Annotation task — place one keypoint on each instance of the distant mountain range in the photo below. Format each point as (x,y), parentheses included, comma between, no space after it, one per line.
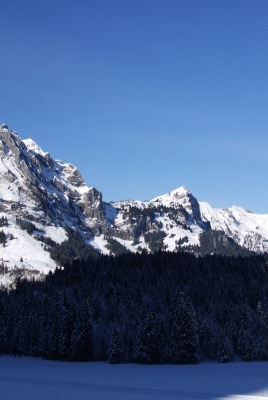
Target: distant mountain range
(44,202)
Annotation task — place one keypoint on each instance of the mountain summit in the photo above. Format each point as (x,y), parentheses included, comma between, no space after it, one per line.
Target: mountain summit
(43,202)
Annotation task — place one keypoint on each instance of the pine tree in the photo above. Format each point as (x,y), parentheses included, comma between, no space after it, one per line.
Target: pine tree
(54,326)
(45,319)
(64,344)
(2,328)
(245,343)
(81,338)
(3,238)
(114,352)
(262,337)
(184,340)
(147,349)
(225,349)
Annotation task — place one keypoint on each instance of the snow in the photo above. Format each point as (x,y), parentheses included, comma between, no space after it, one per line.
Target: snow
(8,188)
(69,171)
(57,180)
(120,222)
(26,247)
(129,244)
(111,212)
(175,232)
(238,223)
(32,378)
(131,203)
(62,182)
(173,196)
(57,234)
(99,243)
(31,145)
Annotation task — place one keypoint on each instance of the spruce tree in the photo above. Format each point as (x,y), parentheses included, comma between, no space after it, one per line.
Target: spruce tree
(147,349)
(225,349)
(81,338)
(114,352)
(262,337)
(64,344)
(184,340)
(245,342)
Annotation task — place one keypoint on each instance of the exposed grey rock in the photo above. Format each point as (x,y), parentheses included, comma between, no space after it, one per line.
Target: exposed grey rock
(36,187)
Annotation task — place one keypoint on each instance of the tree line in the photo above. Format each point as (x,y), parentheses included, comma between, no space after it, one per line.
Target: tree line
(148,308)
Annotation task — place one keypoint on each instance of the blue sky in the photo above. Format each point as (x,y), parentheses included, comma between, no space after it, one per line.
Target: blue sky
(143,96)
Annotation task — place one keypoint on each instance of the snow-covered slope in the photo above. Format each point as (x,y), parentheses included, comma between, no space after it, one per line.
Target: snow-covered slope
(181,218)
(248,229)
(42,198)
(163,222)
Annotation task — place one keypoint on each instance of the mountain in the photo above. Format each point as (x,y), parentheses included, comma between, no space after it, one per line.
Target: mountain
(246,228)
(46,208)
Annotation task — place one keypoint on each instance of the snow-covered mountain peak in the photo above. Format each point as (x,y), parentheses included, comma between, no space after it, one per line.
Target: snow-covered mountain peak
(181,198)
(3,126)
(174,196)
(11,143)
(49,197)
(181,190)
(71,174)
(33,146)
(36,188)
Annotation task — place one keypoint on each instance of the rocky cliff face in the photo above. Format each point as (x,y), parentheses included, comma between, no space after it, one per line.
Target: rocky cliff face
(36,187)
(49,197)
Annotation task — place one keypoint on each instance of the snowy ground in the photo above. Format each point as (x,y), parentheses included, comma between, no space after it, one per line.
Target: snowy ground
(31,378)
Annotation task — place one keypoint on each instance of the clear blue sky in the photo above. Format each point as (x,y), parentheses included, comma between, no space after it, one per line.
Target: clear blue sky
(143,95)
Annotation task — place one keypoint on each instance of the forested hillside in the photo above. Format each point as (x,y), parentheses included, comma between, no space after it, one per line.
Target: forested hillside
(149,308)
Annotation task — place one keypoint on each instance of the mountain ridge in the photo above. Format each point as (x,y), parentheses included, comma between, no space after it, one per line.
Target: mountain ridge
(51,199)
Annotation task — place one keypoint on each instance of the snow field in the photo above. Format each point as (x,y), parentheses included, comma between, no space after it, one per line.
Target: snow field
(24,251)
(32,378)
(30,250)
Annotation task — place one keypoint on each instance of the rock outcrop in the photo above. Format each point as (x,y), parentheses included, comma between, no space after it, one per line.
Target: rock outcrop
(53,195)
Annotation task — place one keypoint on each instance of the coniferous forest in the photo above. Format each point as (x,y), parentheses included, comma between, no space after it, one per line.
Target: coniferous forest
(146,308)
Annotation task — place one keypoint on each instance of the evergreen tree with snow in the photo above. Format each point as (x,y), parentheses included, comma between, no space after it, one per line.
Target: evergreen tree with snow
(184,340)
(54,327)
(81,338)
(64,344)
(262,337)
(2,238)
(225,349)
(245,342)
(147,349)
(2,328)
(114,352)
